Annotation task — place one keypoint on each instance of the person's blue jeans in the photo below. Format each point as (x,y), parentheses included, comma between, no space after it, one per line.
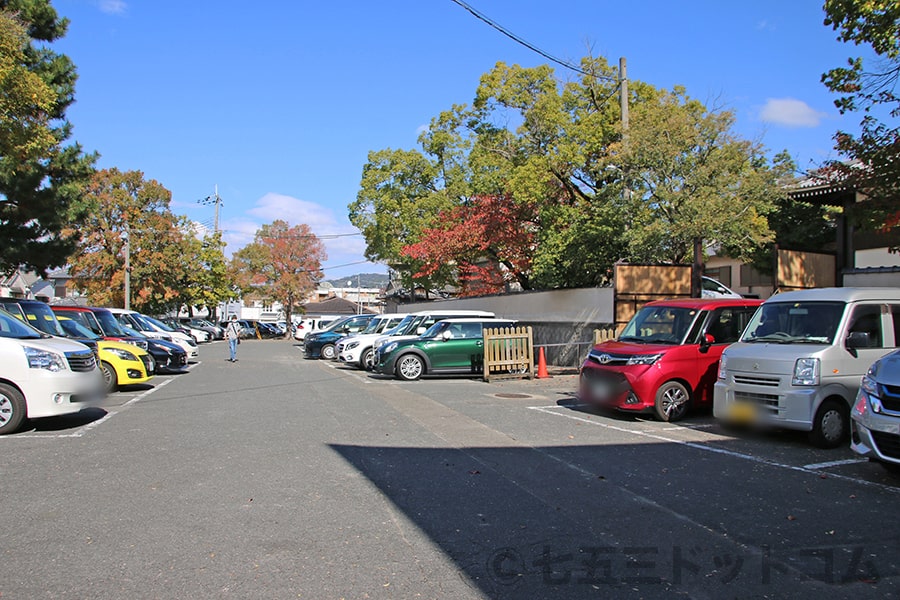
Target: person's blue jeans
(232,346)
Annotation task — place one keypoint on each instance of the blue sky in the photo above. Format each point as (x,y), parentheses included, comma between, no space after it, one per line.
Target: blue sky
(279,102)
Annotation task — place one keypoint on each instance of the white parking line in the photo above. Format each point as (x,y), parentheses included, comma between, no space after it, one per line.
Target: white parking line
(81,431)
(814,469)
(835,463)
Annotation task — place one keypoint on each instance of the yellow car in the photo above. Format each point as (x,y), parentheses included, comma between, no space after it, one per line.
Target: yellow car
(121,363)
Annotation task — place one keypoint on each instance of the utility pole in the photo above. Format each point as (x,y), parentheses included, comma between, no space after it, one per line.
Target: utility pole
(127,236)
(623,98)
(217,200)
(623,105)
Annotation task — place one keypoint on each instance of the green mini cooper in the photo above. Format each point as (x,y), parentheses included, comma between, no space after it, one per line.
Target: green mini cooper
(451,346)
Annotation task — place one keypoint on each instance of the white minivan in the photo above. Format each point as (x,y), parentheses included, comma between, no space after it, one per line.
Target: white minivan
(42,375)
(799,363)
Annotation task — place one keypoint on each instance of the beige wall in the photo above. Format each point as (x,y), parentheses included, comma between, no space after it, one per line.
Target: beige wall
(583,305)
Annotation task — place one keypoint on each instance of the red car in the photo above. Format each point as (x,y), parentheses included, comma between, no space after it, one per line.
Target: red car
(665,360)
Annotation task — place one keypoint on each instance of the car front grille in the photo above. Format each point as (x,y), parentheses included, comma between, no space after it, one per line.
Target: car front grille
(767,402)
(745,379)
(890,397)
(888,443)
(81,362)
(612,360)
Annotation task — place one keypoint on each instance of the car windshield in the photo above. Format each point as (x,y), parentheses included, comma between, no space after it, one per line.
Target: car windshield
(795,323)
(128,331)
(403,326)
(374,326)
(111,326)
(336,324)
(395,330)
(435,330)
(40,316)
(11,327)
(659,325)
(157,323)
(76,329)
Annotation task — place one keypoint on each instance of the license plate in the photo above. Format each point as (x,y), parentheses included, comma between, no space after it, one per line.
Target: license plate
(601,389)
(742,412)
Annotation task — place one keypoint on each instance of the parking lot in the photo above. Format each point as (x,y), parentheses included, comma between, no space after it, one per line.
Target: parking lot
(280,477)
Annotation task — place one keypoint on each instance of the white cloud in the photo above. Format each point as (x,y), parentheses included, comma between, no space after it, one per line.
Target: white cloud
(790,113)
(274,206)
(112,7)
(341,246)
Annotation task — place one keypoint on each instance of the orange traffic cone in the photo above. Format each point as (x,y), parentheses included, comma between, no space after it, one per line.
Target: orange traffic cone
(542,365)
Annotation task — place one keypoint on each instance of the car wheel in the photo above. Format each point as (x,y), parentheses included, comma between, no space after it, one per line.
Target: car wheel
(328,351)
(12,409)
(672,401)
(410,367)
(367,359)
(831,425)
(110,381)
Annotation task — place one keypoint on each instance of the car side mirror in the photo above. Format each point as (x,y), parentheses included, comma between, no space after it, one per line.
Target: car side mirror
(446,336)
(420,330)
(707,341)
(858,339)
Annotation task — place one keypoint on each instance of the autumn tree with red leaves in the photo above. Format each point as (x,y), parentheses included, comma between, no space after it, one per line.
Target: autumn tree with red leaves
(282,263)
(482,246)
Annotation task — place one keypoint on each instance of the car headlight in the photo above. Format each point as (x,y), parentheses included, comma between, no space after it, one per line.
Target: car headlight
(387,349)
(806,372)
(868,392)
(351,345)
(869,386)
(723,367)
(644,359)
(122,354)
(44,359)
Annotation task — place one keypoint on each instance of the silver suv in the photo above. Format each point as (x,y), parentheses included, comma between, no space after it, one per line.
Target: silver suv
(875,418)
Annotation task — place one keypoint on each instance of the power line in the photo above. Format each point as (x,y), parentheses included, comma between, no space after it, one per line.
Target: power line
(324,236)
(527,44)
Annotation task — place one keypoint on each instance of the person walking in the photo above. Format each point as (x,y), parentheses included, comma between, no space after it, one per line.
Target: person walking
(233,335)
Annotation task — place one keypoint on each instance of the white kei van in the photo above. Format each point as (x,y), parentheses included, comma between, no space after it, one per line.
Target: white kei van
(42,375)
(799,362)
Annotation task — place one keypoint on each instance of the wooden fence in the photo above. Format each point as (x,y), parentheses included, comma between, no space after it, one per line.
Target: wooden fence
(508,353)
(604,335)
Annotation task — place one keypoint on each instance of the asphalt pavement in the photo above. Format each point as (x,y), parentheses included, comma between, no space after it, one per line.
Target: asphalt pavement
(281,477)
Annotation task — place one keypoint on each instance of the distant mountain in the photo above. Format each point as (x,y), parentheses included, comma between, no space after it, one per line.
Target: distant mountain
(363,280)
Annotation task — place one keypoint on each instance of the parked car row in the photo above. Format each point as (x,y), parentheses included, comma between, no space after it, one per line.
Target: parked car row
(123,347)
(817,360)
(42,375)
(250,328)
(407,346)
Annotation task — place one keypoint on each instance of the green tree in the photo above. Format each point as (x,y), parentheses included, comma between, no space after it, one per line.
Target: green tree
(400,195)
(680,179)
(160,246)
(40,189)
(208,283)
(26,100)
(871,89)
(283,263)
